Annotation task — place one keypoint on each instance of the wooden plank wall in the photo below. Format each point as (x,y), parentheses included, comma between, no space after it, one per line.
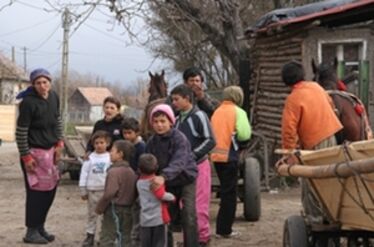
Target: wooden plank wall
(269,54)
(8,117)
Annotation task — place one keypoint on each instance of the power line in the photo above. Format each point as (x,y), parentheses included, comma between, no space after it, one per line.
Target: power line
(47,39)
(25,28)
(104,33)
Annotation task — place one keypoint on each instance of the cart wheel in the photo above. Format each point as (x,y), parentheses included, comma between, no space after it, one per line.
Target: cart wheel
(294,232)
(74,174)
(252,193)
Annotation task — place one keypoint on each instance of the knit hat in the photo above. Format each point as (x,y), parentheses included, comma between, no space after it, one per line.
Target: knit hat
(234,94)
(164,108)
(36,73)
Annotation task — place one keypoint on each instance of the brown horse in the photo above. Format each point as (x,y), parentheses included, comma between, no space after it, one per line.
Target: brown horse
(158,88)
(348,107)
(158,91)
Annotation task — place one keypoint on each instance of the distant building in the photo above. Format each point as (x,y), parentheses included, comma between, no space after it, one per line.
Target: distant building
(13,79)
(86,104)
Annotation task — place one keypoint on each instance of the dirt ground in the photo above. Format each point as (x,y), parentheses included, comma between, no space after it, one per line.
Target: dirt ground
(67,215)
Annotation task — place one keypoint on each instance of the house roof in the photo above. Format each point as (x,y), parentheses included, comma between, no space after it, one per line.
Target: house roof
(11,71)
(330,13)
(95,95)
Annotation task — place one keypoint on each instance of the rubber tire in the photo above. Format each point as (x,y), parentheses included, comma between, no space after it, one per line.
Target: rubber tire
(295,232)
(252,189)
(74,174)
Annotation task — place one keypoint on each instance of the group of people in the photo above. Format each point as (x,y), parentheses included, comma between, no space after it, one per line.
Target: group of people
(145,189)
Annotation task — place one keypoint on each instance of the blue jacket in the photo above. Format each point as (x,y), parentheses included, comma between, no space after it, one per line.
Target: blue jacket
(174,156)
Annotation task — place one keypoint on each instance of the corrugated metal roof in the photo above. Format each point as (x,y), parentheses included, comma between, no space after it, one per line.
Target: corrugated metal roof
(95,95)
(10,70)
(310,12)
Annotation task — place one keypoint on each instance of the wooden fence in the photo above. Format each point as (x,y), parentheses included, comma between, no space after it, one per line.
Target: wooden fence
(8,116)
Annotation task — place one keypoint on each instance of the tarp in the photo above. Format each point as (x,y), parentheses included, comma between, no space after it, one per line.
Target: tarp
(290,13)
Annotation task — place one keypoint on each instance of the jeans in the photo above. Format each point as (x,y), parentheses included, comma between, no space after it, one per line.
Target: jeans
(228,177)
(185,207)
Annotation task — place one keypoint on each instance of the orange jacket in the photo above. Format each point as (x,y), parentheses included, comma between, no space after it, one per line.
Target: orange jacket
(229,121)
(308,117)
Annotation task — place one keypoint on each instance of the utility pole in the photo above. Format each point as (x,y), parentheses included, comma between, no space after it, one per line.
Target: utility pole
(24,59)
(14,54)
(64,71)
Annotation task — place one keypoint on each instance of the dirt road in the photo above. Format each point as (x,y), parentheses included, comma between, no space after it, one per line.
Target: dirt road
(67,216)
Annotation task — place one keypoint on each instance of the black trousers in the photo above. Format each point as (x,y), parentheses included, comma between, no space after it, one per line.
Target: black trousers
(37,203)
(155,236)
(228,177)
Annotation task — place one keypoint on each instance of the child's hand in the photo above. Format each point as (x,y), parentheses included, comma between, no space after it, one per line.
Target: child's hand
(84,198)
(156,182)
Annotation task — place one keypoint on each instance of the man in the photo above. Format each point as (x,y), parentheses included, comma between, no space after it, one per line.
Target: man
(194,78)
(308,122)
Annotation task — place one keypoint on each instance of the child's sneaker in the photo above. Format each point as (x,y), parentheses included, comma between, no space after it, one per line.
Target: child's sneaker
(233,234)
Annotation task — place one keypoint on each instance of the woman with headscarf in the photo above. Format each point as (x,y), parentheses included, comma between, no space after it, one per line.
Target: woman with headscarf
(231,127)
(40,141)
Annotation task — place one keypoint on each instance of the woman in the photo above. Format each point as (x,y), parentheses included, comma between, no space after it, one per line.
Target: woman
(40,142)
(111,122)
(232,129)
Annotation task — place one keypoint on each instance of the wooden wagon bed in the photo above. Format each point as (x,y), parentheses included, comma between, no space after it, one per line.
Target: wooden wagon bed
(342,178)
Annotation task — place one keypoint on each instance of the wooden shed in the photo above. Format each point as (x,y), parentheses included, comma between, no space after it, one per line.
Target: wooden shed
(321,31)
(13,79)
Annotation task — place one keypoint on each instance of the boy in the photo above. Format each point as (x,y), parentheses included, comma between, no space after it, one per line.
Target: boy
(130,131)
(154,215)
(195,124)
(231,127)
(92,181)
(119,194)
(177,169)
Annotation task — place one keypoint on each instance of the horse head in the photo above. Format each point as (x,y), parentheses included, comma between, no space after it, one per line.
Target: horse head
(325,75)
(158,88)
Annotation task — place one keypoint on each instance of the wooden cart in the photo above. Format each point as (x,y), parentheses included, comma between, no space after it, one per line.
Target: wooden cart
(342,180)
(75,149)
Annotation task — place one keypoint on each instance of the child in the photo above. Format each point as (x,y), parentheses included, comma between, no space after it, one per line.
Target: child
(92,181)
(130,131)
(154,215)
(177,169)
(195,124)
(111,122)
(119,194)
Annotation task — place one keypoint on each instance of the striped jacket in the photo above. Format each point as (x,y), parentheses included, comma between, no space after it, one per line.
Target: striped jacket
(196,127)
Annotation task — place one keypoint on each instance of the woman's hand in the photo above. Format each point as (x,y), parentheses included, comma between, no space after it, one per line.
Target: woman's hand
(57,154)
(30,165)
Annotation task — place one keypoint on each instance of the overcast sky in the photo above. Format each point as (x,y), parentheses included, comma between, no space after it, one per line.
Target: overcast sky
(94,48)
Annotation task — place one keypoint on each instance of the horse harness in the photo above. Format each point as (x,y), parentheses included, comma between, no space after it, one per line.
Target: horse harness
(365,130)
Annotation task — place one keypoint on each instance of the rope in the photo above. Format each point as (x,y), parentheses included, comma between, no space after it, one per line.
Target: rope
(359,202)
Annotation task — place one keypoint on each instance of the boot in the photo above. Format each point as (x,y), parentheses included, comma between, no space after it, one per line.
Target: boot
(46,235)
(33,237)
(89,240)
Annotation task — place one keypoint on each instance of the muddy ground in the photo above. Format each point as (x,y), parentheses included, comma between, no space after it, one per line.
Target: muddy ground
(67,215)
